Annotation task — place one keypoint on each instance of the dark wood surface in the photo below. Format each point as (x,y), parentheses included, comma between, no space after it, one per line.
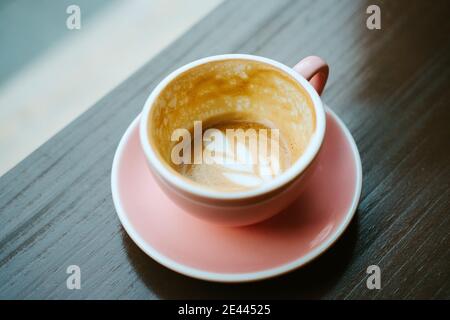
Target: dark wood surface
(390,86)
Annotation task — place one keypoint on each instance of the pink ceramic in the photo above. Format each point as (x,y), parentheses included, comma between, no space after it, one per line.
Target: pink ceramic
(202,250)
(250,206)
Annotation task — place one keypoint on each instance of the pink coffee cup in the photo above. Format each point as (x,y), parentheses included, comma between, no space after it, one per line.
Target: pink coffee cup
(254,205)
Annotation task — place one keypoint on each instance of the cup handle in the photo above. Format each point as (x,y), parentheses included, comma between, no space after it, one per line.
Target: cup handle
(315,70)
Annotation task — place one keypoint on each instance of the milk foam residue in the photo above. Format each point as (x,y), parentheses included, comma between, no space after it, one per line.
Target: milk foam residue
(240,165)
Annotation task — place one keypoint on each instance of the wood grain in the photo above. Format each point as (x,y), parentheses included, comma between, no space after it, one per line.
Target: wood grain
(391,88)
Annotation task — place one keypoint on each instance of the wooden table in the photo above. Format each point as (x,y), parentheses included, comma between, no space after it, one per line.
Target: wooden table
(390,86)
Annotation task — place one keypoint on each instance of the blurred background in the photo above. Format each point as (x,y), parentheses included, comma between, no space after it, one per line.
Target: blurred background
(50,74)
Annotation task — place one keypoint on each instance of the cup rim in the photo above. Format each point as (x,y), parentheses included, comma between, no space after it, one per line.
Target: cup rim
(283,179)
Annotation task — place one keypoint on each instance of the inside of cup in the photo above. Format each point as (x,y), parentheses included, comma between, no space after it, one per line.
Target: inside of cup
(227,90)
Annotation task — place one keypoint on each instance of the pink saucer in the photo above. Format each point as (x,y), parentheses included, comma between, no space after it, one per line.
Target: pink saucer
(201,250)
